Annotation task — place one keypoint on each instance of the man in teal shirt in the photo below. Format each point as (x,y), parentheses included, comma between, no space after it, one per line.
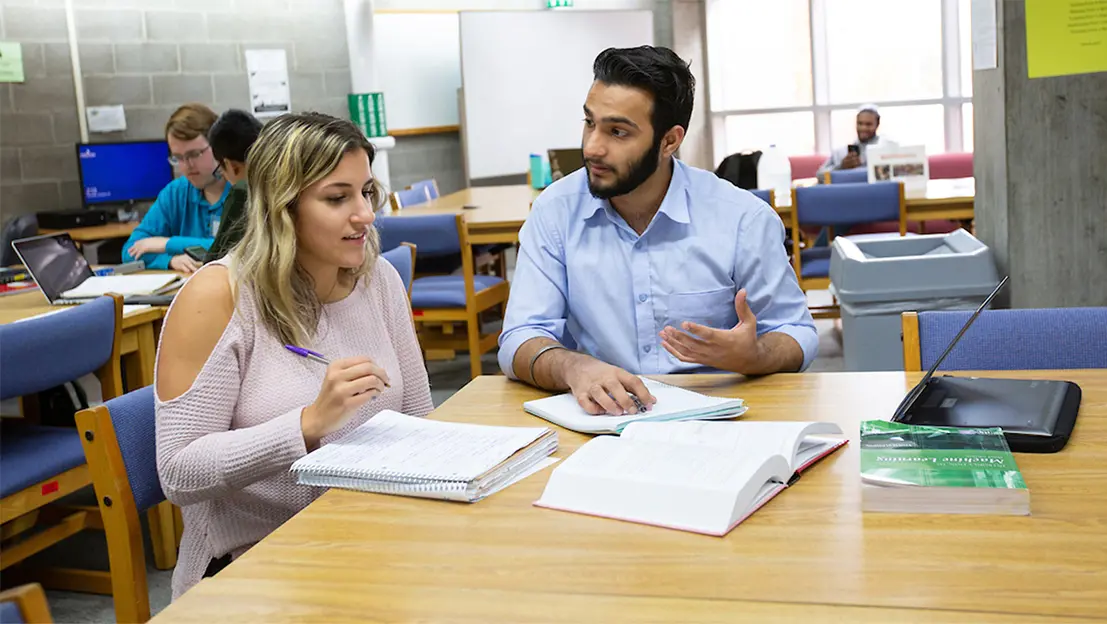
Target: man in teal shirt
(188,210)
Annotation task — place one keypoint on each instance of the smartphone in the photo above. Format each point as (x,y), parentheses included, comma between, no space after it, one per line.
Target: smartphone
(196,252)
(854,149)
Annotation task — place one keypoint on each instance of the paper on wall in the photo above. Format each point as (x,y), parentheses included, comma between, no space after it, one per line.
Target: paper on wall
(267,71)
(106,118)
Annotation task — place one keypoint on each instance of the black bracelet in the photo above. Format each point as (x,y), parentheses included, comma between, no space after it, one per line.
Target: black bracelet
(534,359)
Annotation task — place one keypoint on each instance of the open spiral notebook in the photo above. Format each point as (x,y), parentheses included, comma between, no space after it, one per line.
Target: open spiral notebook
(393,453)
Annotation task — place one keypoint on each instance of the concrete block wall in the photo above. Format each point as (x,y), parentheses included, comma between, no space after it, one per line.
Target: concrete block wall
(150,56)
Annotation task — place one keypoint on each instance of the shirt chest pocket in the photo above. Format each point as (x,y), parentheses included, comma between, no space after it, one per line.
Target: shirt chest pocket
(713,308)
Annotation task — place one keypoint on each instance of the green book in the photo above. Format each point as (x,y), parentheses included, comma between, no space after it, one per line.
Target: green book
(917,469)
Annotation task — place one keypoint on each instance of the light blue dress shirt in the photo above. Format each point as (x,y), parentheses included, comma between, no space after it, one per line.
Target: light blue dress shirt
(587,280)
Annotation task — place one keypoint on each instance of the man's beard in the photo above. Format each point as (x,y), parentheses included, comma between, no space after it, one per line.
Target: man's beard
(640,171)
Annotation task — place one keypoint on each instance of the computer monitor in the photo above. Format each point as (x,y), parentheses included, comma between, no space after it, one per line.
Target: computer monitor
(122,172)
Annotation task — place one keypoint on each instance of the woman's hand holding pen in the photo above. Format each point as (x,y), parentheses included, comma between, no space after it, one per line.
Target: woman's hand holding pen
(348,384)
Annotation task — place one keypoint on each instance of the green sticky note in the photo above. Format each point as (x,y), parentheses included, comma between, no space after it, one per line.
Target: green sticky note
(11,62)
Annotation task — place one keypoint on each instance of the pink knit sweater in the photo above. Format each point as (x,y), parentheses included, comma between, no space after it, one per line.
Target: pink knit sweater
(224,447)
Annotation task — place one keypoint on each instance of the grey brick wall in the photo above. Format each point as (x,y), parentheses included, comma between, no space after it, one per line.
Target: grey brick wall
(150,56)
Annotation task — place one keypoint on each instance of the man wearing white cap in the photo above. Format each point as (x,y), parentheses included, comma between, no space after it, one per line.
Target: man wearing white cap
(852,156)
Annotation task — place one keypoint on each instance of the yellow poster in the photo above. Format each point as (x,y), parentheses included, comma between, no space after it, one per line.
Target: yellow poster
(1066,37)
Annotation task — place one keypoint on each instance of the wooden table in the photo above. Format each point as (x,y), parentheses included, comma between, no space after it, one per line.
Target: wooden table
(97,232)
(810,552)
(497,218)
(943,199)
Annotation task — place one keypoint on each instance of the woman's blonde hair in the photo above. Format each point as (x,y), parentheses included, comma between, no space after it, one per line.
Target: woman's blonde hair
(292,153)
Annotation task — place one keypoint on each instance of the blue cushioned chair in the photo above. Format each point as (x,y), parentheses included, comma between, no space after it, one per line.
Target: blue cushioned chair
(838,205)
(448,298)
(409,197)
(24,604)
(118,439)
(39,465)
(1030,339)
(848,176)
(765,195)
(402,258)
(430,185)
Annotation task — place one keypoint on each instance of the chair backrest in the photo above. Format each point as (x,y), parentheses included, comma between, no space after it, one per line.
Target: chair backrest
(409,197)
(44,352)
(26,603)
(22,226)
(1026,339)
(951,165)
(402,258)
(806,166)
(430,185)
(848,204)
(120,448)
(765,195)
(432,235)
(849,176)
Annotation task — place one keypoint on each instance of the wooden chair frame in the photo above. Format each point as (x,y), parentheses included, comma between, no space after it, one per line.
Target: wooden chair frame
(126,553)
(912,348)
(31,601)
(475,303)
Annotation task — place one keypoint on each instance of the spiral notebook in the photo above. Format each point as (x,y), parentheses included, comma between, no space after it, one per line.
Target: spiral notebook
(673,404)
(393,453)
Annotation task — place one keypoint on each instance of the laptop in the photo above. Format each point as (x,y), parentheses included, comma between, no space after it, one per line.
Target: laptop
(1036,416)
(65,277)
(565,161)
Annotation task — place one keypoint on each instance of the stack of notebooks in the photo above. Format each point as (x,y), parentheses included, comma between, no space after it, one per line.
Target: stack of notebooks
(918,469)
(397,454)
(704,477)
(673,404)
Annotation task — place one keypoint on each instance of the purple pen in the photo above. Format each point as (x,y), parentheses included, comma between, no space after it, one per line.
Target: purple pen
(316,357)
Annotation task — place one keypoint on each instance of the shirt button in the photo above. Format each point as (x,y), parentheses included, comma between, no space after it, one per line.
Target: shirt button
(642,298)
(638,245)
(646,348)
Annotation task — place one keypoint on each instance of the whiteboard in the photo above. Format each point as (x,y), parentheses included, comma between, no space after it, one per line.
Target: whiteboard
(418,68)
(526,75)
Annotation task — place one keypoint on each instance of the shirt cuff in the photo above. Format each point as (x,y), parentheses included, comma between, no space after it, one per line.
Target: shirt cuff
(510,343)
(806,337)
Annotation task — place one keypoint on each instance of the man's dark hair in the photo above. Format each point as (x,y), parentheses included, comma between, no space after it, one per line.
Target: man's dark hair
(232,135)
(657,71)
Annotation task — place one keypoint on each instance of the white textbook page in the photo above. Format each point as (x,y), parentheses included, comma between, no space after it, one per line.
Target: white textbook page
(393,445)
(683,487)
(795,441)
(124,285)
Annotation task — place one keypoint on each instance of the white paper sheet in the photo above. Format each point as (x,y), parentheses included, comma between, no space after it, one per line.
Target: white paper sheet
(984,34)
(267,71)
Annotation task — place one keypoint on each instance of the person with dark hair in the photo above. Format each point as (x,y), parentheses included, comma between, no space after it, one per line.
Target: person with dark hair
(231,137)
(641,264)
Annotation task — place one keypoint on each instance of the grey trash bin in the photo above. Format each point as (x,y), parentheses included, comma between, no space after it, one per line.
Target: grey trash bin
(875,280)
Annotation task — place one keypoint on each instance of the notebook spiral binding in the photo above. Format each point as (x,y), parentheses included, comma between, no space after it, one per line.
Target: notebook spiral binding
(359,475)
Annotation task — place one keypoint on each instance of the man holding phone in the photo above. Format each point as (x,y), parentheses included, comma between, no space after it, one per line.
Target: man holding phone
(853,155)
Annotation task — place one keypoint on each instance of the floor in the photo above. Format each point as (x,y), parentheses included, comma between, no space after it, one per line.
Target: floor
(89,550)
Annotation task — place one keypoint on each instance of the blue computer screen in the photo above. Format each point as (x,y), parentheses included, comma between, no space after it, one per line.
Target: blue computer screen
(120,172)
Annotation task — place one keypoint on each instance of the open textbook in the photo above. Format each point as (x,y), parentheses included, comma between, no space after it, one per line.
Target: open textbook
(392,453)
(673,404)
(698,476)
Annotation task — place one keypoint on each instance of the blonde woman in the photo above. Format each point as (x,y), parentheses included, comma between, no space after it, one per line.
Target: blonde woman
(234,407)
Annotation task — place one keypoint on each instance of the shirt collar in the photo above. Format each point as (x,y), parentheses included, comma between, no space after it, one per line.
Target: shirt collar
(674,206)
(198,196)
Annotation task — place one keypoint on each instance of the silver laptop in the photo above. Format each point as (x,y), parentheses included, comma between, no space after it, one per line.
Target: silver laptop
(65,277)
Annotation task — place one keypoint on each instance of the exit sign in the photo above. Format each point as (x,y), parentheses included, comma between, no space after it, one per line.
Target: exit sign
(557,4)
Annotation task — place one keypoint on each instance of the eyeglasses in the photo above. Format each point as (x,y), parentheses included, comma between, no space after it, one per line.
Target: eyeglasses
(176,159)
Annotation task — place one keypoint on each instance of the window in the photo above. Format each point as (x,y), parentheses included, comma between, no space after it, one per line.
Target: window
(964,25)
(794,72)
(906,125)
(883,50)
(772,75)
(792,132)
